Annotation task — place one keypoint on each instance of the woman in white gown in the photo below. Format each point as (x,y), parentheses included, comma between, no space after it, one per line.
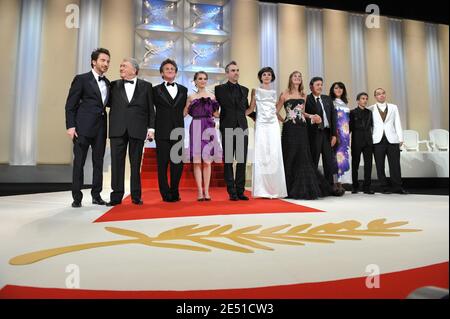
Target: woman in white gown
(268,179)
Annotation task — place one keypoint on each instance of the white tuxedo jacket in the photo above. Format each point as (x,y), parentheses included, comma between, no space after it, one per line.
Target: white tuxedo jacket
(392,127)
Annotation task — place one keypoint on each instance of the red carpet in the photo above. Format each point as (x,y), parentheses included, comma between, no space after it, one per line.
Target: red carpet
(149,172)
(397,285)
(154,207)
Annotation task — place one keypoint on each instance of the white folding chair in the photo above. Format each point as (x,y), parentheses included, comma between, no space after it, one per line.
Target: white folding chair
(411,141)
(439,140)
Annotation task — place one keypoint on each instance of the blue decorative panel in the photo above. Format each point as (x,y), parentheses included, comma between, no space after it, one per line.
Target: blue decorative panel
(192,33)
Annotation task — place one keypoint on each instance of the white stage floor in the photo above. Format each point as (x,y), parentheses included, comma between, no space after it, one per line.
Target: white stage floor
(31,223)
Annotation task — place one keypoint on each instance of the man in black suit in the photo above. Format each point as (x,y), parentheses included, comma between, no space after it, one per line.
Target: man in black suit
(233,101)
(130,118)
(361,127)
(323,135)
(86,124)
(169,99)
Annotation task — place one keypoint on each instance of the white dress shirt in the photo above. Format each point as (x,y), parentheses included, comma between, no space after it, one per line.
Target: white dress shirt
(130,87)
(173,90)
(101,86)
(325,119)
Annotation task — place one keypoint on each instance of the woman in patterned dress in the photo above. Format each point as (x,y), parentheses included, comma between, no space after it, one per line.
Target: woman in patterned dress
(338,94)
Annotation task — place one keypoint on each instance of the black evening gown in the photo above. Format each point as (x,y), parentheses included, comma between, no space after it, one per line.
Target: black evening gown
(303,181)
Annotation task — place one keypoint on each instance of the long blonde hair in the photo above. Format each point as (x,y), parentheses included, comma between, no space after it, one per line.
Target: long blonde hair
(291,84)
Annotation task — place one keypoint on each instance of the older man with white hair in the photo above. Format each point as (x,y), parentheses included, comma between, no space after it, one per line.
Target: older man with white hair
(130,118)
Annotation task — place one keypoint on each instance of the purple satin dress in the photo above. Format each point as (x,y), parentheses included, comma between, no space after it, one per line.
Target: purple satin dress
(203,139)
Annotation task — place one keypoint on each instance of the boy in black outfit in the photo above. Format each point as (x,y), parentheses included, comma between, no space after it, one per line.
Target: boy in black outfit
(361,126)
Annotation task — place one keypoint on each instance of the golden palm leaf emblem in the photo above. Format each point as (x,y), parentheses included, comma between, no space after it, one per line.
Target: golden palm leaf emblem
(243,240)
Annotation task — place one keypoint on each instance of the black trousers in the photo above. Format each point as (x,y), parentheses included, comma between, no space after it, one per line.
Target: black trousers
(367,151)
(235,184)
(80,149)
(118,154)
(321,144)
(392,151)
(163,149)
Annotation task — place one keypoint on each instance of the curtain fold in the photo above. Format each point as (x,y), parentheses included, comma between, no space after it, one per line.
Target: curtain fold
(358,53)
(397,68)
(314,30)
(88,33)
(434,74)
(24,122)
(269,37)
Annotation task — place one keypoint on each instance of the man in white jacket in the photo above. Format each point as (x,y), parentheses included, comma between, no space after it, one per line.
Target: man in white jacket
(387,140)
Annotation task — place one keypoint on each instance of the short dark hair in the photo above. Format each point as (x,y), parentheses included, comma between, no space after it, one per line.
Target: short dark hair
(344,92)
(227,67)
(264,70)
(375,92)
(168,61)
(96,53)
(200,72)
(314,80)
(361,94)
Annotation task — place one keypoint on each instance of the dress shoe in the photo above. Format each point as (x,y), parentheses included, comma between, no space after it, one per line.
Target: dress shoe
(168,199)
(98,201)
(207,199)
(137,201)
(76,204)
(113,203)
(385,191)
(401,191)
(355,191)
(242,197)
(234,197)
(369,191)
(176,199)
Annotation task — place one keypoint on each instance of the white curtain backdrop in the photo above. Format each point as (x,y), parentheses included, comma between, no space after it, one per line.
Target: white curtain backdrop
(88,34)
(88,41)
(269,37)
(397,67)
(434,74)
(357,53)
(23,143)
(314,29)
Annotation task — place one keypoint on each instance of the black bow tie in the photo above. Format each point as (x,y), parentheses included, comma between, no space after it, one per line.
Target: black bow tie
(101,78)
(128,81)
(170,84)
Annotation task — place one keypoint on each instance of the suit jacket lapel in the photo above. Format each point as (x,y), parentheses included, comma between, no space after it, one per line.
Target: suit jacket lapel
(136,90)
(177,97)
(377,113)
(108,90)
(123,93)
(326,108)
(389,112)
(165,94)
(94,85)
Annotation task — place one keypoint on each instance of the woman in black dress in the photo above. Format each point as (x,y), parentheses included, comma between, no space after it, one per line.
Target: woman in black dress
(302,180)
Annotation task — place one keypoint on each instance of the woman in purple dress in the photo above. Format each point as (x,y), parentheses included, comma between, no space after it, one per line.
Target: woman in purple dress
(204,145)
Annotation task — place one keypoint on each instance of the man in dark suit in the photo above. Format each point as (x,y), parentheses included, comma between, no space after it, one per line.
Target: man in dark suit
(130,118)
(86,124)
(169,99)
(323,135)
(233,101)
(361,127)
